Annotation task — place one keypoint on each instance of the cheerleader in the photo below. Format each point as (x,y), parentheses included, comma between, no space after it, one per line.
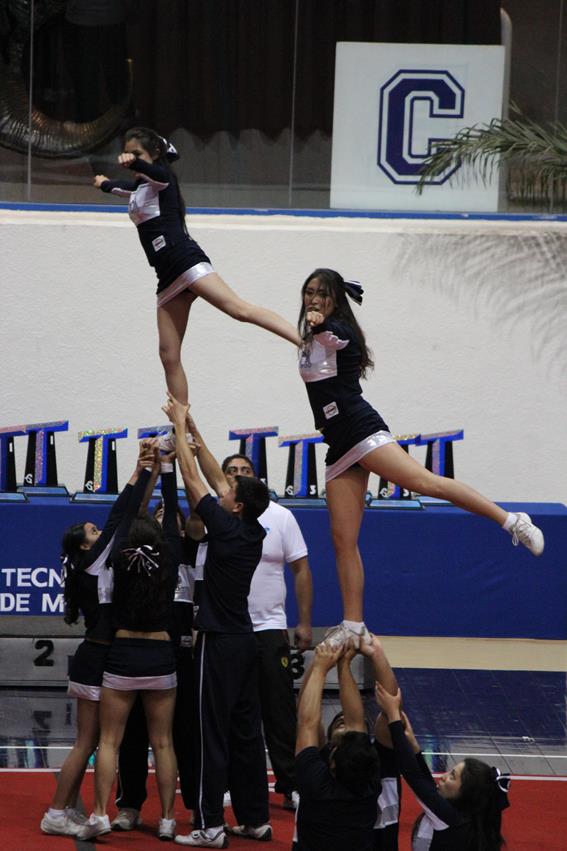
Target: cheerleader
(464,810)
(183,270)
(133,756)
(88,591)
(141,660)
(333,360)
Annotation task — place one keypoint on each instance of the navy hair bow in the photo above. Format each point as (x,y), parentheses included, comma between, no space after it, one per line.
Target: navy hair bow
(354,290)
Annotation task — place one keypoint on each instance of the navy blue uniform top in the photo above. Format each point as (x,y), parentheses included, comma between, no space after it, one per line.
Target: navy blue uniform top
(94,580)
(183,554)
(389,801)
(153,206)
(329,816)
(233,553)
(330,367)
(442,827)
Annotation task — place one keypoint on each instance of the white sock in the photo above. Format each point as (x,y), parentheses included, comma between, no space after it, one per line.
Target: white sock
(511,519)
(55,813)
(354,626)
(212,832)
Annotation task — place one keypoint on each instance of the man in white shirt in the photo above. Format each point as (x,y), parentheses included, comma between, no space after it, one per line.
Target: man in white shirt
(266,604)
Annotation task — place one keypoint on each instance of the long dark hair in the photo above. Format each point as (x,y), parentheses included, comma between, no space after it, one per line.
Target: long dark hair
(141,583)
(482,801)
(71,558)
(334,284)
(157,147)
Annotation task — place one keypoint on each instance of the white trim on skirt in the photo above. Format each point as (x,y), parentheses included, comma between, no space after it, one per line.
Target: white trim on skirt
(358,451)
(183,282)
(121,683)
(84,691)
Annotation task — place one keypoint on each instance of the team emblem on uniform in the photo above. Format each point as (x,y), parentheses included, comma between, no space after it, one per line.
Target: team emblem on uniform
(285,662)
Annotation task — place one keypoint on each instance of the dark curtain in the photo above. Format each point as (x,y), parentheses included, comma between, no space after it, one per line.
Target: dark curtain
(209,65)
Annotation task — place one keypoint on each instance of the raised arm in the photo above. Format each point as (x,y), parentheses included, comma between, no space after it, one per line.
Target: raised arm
(309,709)
(349,694)
(410,766)
(126,504)
(210,467)
(384,675)
(156,468)
(195,488)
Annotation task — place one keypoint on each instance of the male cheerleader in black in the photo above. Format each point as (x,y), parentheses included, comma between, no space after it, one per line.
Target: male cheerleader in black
(339,783)
(231,748)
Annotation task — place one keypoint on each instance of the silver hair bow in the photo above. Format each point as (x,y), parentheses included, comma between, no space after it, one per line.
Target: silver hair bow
(354,290)
(171,151)
(67,567)
(502,780)
(141,558)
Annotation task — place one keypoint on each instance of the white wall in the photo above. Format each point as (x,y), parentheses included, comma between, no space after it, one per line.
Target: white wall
(467,321)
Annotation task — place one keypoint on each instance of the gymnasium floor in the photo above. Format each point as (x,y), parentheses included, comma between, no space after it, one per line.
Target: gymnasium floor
(464,697)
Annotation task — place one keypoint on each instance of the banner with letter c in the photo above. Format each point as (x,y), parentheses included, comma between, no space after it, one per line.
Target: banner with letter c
(393,103)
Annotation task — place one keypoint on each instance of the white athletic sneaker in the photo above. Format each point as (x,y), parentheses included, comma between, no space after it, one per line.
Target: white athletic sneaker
(263,833)
(166,829)
(359,638)
(291,802)
(166,441)
(127,819)
(527,533)
(337,636)
(61,825)
(96,826)
(75,816)
(200,839)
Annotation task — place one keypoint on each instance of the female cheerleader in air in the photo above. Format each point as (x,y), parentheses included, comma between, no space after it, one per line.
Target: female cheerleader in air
(88,591)
(183,270)
(464,810)
(333,359)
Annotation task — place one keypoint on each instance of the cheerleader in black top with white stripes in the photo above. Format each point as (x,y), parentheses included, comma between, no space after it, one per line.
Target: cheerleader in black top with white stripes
(464,811)
(133,757)
(183,270)
(88,583)
(141,660)
(334,358)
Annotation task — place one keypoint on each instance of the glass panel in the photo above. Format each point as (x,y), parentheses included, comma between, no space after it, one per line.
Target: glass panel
(244,89)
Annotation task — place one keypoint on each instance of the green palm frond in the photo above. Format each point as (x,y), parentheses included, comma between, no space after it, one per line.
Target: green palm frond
(535,154)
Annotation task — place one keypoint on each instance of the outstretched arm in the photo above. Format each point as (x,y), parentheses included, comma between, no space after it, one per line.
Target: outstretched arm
(209,465)
(195,488)
(309,709)
(351,701)
(384,675)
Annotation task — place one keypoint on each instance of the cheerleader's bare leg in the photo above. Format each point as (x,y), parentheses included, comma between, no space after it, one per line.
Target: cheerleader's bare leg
(215,291)
(393,464)
(115,707)
(345,501)
(172,320)
(159,707)
(73,769)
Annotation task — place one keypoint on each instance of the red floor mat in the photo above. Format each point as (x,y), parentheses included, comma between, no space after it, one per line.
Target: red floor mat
(537,818)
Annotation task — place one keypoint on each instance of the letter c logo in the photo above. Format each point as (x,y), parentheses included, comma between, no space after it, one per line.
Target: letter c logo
(398,156)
